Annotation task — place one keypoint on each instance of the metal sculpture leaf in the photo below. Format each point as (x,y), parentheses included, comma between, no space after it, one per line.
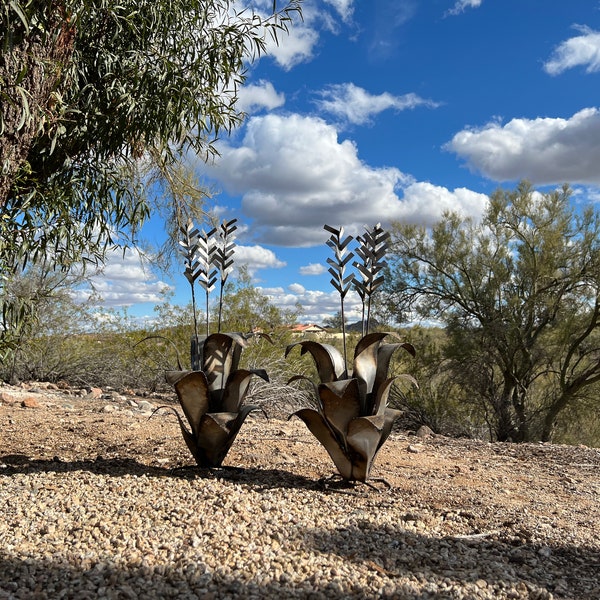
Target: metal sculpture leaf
(192,393)
(365,359)
(364,435)
(221,356)
(321,429)
(237,387)
(341,403)
(328,360)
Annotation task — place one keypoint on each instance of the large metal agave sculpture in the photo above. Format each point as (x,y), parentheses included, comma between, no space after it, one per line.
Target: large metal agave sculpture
(212,394)
(352,419)
(212,398)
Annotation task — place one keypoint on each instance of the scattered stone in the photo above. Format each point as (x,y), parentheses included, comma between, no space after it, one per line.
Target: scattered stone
(9,398)
(94,393)
(141,520)
(424,432)
(145,406)
(29,402)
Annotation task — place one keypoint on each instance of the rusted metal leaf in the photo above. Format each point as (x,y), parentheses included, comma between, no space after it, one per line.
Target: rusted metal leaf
(320,428)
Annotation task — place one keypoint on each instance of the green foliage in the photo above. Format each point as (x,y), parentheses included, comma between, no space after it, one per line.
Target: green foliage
(88,88)
(440,401)
(55,342)
(520,296)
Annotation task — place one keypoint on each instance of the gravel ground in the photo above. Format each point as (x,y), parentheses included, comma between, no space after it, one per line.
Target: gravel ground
(97,503)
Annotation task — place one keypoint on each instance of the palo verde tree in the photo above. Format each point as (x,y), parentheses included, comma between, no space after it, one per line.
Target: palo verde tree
(519,293)
(89,87)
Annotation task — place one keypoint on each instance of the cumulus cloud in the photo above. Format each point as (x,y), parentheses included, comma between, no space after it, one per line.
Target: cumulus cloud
(344,8)
(125,281)
(299,43)
(462,5)
(295,176)
(316,305)
(255,258)
(542,150)
(262,95)
(312,269)
(355,105)
(579,51)
(296,47)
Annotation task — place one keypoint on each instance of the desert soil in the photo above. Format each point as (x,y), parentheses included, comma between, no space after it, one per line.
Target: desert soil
(95,504)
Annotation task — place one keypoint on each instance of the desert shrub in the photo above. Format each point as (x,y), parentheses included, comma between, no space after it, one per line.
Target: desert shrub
(439,402)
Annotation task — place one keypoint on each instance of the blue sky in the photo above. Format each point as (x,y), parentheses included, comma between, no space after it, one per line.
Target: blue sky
(379,111)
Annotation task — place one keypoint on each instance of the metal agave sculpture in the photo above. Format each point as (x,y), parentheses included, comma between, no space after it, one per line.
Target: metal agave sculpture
(212,398)
(352,420)
(212,394)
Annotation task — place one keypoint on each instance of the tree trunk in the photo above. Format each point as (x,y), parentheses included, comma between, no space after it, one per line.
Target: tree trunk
(555,409)
(30,71)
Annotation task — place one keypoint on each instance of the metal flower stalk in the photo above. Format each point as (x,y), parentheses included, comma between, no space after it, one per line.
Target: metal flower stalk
(372,249)
(223,258)
(189,249)
(337,267)
(207,272)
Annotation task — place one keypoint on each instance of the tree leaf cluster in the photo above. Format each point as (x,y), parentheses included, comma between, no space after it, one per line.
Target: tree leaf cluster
(90,87)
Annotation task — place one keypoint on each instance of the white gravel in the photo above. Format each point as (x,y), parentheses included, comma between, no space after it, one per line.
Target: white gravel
(102,515)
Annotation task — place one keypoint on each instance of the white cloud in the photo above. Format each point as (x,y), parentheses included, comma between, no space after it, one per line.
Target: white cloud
(542,150)
(125,281)
(316,305)
(299,45)
(312,269)
(262,95)
(355,105)
(295,176)
(344,8)
(255,258)
(296,47)
(582,50)
(462,5)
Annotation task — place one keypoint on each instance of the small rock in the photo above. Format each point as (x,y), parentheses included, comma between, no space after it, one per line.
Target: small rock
(30,402)
(8,398)
(94,393)
(413,449)
(145,406)
(424,432)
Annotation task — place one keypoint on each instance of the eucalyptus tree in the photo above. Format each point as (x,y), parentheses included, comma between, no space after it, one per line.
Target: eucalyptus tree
(519,293)
(94,91)
(90,87)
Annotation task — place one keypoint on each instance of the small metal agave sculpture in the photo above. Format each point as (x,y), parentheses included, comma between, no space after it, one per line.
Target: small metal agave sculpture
(212,394)
(352,420)
(212,398)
